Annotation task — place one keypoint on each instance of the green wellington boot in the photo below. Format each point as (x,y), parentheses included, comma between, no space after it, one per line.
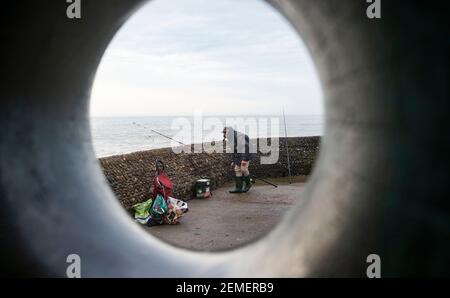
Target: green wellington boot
(247,183)
(238,188)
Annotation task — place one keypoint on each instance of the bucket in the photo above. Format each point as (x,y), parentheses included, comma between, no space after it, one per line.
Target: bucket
(203,188)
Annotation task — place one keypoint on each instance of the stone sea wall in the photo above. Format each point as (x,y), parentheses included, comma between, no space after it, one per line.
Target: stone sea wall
(130,175)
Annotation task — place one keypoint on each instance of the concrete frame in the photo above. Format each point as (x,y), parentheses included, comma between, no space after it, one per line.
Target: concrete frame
(380,184)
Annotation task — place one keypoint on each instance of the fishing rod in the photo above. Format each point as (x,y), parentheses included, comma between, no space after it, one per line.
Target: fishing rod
(167,137)
(287,148)
(254,177)
(161,134)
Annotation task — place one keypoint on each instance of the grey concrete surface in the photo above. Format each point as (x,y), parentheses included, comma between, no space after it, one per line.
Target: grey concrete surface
(228,221)
(380,184)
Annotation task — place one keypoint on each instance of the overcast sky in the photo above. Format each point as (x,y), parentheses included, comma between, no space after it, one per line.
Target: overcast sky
(232,57)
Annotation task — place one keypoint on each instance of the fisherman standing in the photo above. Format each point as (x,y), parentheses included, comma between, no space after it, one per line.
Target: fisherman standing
(238,144)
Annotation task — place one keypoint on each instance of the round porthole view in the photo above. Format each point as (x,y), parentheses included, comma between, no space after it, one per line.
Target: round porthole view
(206,118)
(181,138)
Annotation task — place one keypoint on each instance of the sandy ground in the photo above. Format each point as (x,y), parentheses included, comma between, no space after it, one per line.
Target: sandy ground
(229,220)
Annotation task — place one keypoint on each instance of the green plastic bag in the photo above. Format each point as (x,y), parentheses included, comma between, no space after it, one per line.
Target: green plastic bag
(142,210)
(159,209)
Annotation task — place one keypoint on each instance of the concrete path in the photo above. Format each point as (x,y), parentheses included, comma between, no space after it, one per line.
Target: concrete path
(229,220)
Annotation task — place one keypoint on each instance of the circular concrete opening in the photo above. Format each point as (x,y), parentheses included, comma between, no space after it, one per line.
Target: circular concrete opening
(183,70)
(361,200)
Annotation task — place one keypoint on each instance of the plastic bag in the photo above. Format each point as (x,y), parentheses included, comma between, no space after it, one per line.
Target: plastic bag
(143,221)
(177,209)
(158,210)
(183,206)
(142,211)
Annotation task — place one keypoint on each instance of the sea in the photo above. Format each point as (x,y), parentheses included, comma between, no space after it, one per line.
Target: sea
(120,135)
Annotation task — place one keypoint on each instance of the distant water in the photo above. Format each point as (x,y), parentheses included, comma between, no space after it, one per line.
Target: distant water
(119,135)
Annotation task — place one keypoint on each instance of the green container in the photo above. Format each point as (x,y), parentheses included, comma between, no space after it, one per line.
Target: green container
(203,189)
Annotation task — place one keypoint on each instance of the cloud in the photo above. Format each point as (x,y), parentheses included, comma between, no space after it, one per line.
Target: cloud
(193,53)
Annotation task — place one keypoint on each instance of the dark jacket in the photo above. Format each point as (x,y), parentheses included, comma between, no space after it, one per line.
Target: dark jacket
(238,157)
